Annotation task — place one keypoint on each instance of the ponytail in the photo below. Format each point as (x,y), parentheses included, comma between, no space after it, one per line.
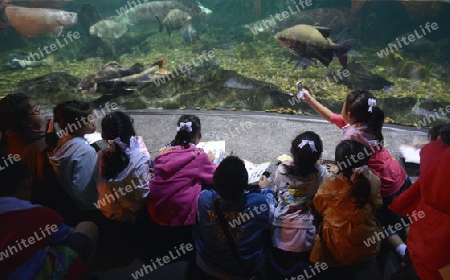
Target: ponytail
(188,127)
(117,128)
(360,185)
(114,161)
(376,122)
(362,106)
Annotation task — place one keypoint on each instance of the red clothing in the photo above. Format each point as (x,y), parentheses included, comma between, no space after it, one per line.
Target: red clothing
(382,163)
(32,154)
(428,240)
(430,153)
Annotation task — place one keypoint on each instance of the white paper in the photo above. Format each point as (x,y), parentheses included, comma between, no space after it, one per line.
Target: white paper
(410,153)
(93,137)
(217,148)
(255,171)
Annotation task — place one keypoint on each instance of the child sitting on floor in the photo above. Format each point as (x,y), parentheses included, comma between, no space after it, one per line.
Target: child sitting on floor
(347,204)
(34,241)
(123,172)
(180,171)
(71,156)
(362,120)
(296,183)
(233,224)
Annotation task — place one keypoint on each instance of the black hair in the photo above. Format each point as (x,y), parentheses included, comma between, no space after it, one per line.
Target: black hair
(444,132)
(14,113)
(305,158)
(184,136)
(68,114)
(230,177)
(357,103)
(116,125)
(434,132)
(12,176)
(360,186)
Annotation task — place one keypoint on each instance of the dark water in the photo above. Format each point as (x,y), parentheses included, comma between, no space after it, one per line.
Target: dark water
(247,68)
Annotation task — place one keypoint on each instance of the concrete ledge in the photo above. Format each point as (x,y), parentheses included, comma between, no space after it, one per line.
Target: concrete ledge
(256,136)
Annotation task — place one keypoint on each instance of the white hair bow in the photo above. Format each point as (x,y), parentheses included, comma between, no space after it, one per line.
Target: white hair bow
(371,102)
(311,145)
(185,124)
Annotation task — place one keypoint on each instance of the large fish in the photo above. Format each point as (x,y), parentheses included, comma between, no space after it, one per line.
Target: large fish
(5,2)
(150,11)
(176,19)
(361,78)
(108,29)
(312,42)
(113,78)
(34,22)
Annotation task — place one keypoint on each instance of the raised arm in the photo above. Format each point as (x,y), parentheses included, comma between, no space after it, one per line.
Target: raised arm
(319,108)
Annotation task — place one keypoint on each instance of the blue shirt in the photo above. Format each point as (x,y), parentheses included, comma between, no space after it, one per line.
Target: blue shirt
(248,218)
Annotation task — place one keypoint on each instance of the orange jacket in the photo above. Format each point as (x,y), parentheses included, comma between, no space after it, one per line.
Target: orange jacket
(346,231)
(426,203)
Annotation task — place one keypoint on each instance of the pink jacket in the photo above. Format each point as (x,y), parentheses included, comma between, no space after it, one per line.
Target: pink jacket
(174,191)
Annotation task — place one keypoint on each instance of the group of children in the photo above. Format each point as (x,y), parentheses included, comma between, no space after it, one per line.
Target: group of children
(307,223)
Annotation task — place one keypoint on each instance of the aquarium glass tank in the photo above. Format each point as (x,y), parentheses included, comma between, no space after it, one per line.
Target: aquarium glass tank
(230,54)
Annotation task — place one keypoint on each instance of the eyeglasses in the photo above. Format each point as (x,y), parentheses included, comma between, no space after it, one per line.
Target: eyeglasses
(36,110)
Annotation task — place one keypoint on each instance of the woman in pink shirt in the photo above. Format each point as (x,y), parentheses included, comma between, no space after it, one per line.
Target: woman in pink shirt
(362,120)
(440,141)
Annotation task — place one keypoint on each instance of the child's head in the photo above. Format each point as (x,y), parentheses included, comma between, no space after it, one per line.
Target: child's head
(188,131)
(434,132)
(351,154)
(74,118)
(21,114)
(360,107)
(230,177)
(15,180)
(444,132)
(306,149)
(118,125)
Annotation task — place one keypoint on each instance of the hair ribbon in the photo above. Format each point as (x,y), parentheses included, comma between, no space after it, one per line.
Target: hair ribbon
(310,143)
(371,102)
(188,125)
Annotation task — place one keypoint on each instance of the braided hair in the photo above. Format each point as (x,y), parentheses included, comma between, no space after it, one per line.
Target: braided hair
(305,158)
(14,113)
(357,103)
(184,135)
(116,125)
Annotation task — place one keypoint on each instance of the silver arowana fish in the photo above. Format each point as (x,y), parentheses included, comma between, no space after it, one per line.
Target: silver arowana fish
(34,22)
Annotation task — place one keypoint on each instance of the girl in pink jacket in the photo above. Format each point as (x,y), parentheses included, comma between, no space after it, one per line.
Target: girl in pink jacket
(180,171)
